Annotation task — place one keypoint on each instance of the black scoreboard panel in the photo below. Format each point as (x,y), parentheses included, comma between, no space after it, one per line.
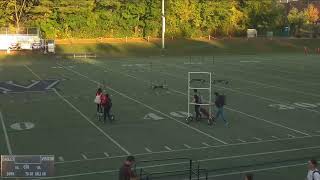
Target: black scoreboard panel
(25,166)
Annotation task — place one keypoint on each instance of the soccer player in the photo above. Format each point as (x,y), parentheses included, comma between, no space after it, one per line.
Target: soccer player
(196,99)
(220,102)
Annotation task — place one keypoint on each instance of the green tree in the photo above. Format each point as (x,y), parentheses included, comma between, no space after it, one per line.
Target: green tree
(296,19)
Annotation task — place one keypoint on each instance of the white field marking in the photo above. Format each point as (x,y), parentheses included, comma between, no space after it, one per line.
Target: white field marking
(253,170)
(250,61)
(53,84)
(206,144)
(254,82)
(84,156)
(5,134)
(36,75)
(148,150)
(61,159)
(149,107)
(291,136)
(167,148)
(83,115)
(270,122)
(257,138)
(106,154)
(274,77)
(202,160)
(198,148)
(21,86)
(275,137)
(187,146)
(243,141)
(92,123)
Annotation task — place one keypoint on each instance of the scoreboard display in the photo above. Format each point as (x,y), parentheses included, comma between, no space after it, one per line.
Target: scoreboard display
(27,166)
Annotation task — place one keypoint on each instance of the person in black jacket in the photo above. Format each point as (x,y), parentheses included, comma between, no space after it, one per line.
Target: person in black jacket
(219,102)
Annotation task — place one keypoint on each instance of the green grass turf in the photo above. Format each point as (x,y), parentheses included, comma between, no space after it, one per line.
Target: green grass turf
(261,138)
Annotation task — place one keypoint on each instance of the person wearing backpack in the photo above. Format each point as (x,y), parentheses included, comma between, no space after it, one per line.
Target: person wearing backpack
(313,171)
(220,102)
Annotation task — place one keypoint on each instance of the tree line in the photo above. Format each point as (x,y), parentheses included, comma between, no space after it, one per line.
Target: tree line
(141,18)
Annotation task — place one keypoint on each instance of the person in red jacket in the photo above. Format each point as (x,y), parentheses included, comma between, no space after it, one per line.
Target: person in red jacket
(106,105)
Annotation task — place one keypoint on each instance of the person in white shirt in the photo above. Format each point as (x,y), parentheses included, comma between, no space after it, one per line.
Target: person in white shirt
(313,172)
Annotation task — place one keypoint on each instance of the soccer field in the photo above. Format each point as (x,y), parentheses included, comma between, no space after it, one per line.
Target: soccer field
(273,109)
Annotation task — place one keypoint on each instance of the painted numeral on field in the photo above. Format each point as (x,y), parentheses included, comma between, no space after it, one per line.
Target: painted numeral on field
(153,116)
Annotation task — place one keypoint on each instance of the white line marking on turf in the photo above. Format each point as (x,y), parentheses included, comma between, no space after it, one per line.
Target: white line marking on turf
(92,123)
(187,146)
(36,75)
(275,137)
(84,156)
(257,138)
(147,106)
(291,136)
(148,150)
(257,118)
(169,149)
(203,160)
(198,148)
(5,134)
(206,144)
(243,141)
(106,154)
(61,159)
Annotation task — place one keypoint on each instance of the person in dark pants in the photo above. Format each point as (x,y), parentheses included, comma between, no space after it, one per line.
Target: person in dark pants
(196,99)
(220,102)
(107,107)
(125,172)
(248,177)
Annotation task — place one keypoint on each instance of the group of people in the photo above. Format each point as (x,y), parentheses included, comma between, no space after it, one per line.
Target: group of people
(219,104)
(126,171)
(104,104)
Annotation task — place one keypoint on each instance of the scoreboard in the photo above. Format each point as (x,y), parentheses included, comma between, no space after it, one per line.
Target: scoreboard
(27,166)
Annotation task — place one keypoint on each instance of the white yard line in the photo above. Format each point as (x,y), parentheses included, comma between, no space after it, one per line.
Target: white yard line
(106,154)
(6,137)
(92,123)
(187,146)
(206,144)
(167,148)
(84,156)
(243,141)
(148,150)
(83,115)
(147,106)
(257,138)
(291,136)
(275,137)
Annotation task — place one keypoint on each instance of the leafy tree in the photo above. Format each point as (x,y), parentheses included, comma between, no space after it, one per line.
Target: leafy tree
(296,19)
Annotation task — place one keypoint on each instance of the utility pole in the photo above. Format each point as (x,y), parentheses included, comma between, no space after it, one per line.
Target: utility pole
(163,26)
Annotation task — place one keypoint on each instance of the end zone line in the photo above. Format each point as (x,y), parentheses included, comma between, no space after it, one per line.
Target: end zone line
(92,123)
(147,106)
(5,134)
(36,75)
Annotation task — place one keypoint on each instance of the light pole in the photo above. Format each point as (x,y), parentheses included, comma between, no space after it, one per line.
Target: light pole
(163,26)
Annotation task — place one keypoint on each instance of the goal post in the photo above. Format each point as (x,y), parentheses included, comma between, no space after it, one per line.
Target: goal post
(204,84)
